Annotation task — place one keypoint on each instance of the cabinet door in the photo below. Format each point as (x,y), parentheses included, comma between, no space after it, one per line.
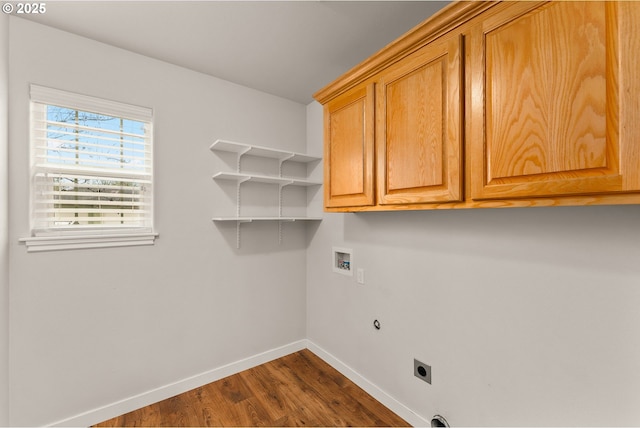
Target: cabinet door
(546,109)
(348,149)
(418,126)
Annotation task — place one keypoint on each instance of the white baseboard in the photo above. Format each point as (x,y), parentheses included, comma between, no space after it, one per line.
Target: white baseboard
(146,398)
(391,403)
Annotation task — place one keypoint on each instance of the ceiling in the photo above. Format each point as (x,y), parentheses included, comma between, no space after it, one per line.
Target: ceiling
(286,48)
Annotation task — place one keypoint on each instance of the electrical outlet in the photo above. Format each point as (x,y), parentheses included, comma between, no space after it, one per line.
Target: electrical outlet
(422,371)
(360,276)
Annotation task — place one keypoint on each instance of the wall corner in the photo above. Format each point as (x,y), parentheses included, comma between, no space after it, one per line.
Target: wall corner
(4,221)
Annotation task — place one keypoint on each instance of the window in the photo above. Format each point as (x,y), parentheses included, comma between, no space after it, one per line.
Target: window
(91,172)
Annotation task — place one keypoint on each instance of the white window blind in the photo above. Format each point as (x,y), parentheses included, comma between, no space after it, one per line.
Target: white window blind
(91,165)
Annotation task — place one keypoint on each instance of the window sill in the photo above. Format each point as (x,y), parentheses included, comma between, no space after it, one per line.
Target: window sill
(57,243)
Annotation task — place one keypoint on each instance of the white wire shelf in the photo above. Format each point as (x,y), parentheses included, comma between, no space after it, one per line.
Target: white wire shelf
(284,181)
(265,152)
(238,178)
(250,219)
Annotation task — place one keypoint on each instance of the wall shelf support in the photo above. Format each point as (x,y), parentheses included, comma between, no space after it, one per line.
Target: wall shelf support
(267,153)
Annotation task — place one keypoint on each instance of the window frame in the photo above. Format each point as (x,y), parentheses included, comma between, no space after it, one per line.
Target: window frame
(86,237)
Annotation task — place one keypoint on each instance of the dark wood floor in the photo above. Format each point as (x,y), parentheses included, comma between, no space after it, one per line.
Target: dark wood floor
(296,390)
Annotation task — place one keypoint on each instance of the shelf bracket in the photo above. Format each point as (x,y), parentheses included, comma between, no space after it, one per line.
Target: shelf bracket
(238,234)
(240,154)
(283,160)
(238,223)
(239,159)
(280,207)
(280,228)
(262,152)
(238,199)
(239,183)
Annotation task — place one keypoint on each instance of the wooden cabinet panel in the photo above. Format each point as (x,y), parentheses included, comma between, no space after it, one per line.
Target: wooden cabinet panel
(545,102)
(349,140)
(526,103)
(418,126)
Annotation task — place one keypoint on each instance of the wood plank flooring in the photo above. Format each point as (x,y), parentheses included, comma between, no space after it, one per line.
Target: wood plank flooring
(299,389)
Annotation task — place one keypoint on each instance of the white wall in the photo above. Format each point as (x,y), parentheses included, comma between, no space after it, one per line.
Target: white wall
(4,222)
(528,317)
(89,328)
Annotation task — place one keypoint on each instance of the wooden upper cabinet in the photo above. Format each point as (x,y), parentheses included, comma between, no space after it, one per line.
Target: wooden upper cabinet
(349,149)
(419,127)
(491,104)
(546,101)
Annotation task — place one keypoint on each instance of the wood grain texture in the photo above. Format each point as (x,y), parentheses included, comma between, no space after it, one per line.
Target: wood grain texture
(347,143)
(628,14)
(546,92)
(418,126)
(548,88)
(297,390)
(414,124)
(551,108)
(349,149)
(613,199)
(456,14)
